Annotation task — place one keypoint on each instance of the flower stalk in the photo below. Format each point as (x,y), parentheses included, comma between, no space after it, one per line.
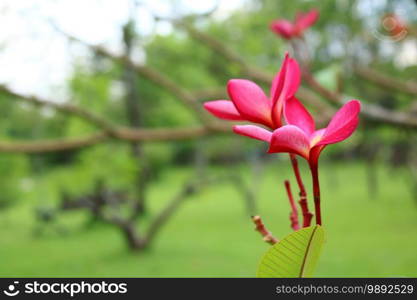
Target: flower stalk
(316,191)
(294,212)
(307,215)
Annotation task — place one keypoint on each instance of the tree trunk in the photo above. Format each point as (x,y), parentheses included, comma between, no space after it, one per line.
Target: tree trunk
(134,107)
(134,242)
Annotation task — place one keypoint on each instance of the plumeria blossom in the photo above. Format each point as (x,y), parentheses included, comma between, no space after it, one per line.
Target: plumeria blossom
(248,101)
(300,135)
(289,30)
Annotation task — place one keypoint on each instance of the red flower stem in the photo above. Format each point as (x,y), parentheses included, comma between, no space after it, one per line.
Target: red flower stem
(303,194)
(316,191)
(294,213)
(260,227)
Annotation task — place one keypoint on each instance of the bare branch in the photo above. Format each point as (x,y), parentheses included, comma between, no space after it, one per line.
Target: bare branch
(387,82)
(169,134)
(52,145)
(153,75)
(265,233)
(294,212)
(370,111)
(67,108)
(210,93)
(126,134)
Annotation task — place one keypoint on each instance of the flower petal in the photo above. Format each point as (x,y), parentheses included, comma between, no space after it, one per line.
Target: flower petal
(285,85)
(253,131)
(296,114)
(316,137)
(343,123)
(278,81)
(290,138)
(250,101)
(292,78)
(223,109)
(283,28)
(303,21)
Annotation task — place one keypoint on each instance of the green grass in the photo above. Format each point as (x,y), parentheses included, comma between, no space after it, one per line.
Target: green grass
(211,236)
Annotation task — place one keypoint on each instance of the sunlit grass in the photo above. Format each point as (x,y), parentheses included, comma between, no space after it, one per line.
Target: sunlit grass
(211,235)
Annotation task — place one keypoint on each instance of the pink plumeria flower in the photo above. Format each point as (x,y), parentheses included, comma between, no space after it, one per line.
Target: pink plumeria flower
(289,30)
(249,102)
(300,135)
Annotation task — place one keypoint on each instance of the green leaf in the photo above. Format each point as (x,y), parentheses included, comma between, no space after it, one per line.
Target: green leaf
(294,256)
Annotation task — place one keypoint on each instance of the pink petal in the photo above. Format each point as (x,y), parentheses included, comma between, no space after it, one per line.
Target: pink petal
(283,28)
(290,138)
(250,101)
(303,21)
(223,109)
(253,131)
(296,114)
(284,86)
(316,137)
(292,78)
(315,154)
(278,81)
(343,123)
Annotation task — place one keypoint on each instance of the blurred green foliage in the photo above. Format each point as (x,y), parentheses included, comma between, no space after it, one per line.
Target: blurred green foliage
(211,235)
(341,37)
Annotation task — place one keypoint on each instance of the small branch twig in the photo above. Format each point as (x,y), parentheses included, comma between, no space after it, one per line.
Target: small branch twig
(67,108)
(386,82)
(210,93)
(371,111)
(307,215)
(260,227)
(294,213)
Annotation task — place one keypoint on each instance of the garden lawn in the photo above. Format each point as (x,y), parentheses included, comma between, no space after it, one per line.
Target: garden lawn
(211,235)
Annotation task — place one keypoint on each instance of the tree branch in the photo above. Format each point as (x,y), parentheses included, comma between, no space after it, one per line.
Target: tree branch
(386,82)
(265,233)
(67,108)
(307,215)
(187,190)
(149,135)
(371,111)
(294,213)
(151,74)
(56,145)
(109,130)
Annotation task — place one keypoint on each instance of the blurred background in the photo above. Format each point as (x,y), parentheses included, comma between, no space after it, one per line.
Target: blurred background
(110,167)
